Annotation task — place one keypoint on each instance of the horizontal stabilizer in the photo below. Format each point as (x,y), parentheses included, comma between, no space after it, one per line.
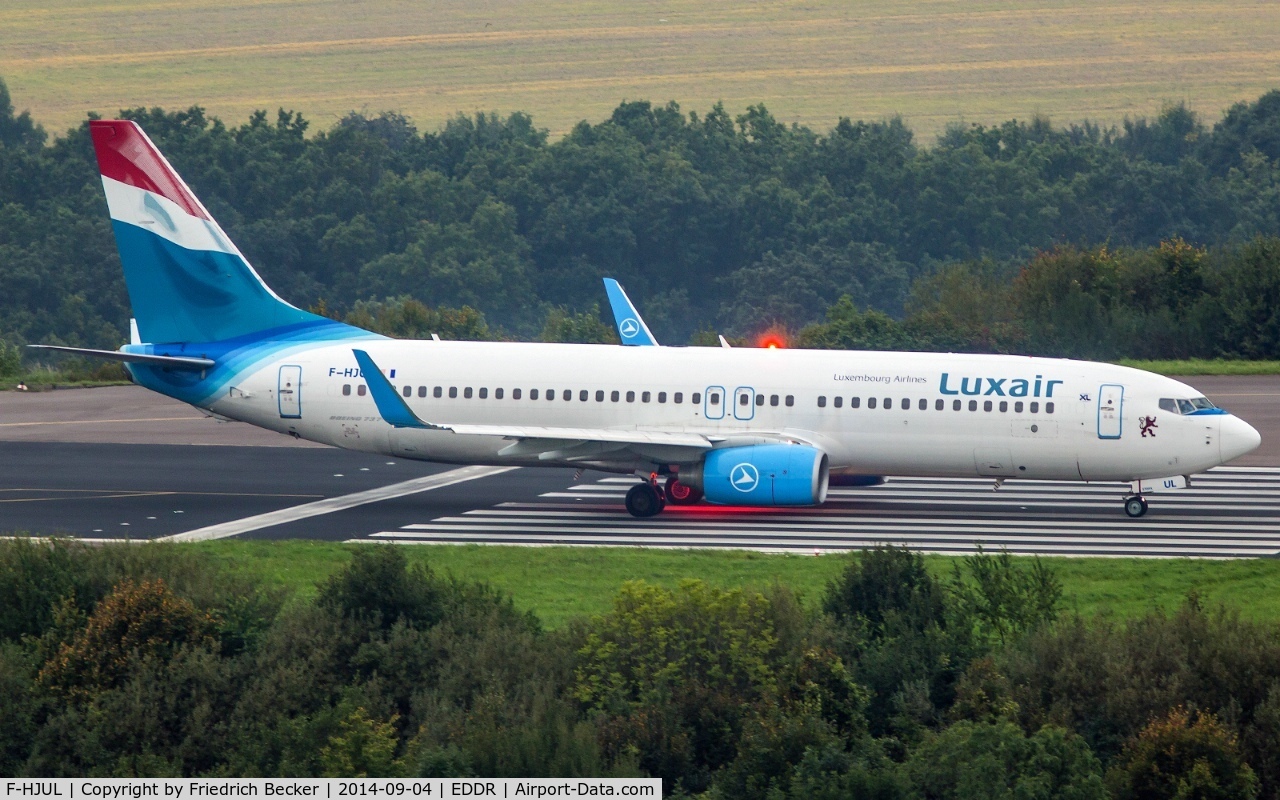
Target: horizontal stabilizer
(173,362)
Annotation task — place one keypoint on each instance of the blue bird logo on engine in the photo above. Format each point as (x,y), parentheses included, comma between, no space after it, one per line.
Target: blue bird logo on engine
(744,477)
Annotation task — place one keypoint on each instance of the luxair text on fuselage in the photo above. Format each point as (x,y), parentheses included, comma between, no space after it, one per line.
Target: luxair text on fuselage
(998,387)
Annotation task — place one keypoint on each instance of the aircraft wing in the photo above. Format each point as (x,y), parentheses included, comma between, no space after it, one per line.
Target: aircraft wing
(531,439)
(631,328)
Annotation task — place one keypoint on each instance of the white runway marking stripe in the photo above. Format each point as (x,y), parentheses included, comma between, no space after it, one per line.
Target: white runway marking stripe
(1228,513)
(332,504)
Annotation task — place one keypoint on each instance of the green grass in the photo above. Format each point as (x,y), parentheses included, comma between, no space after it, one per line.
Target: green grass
(1201,366)
(560,583)
(80,376)
(935,62)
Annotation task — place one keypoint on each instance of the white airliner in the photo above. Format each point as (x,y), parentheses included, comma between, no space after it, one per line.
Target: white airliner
(742,426)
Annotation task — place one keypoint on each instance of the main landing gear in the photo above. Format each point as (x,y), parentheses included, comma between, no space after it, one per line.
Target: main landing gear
(681,494)
(646,499)
(1135,505)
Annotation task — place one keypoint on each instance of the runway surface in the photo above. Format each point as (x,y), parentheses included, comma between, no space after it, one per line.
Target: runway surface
(123,463)
(1226,513)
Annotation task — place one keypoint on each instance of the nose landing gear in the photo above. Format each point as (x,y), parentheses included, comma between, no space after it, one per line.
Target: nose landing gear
(1135,506)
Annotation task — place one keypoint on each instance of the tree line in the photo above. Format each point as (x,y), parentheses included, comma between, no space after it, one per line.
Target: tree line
(896,683)
(713,222)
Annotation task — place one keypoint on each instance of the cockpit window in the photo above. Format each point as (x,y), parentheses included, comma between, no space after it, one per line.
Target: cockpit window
(1202,402)
(1169,404)
(1185,407)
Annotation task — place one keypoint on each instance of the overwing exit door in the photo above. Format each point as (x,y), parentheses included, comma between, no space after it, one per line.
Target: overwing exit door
(289,391)
(1110,411)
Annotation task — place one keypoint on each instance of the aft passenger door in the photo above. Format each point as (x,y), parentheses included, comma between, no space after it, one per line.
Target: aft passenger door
(289,391)
(1110,411)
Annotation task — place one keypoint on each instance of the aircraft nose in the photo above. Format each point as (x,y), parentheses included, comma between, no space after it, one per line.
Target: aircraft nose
(1238,438)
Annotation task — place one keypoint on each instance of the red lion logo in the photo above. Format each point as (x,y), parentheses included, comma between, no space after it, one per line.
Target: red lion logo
(1148,427)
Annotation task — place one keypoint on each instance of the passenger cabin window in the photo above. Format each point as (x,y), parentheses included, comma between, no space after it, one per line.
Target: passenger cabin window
(599,395)
(744,399)
(678,398)
(644,397)
(631,397)
(695,398)
(360,390)
(1017,407)
(955,405)
(791,400)
(924,404)
(1035,408)
(822,401)
(582,396)
(871,402)
(438,391)
(614,395)
(533,394)
(714,398)
(484,393)
(773,399)
(407,391)
(759,399)
(939,404)
(837,401)
(1048,408)
(906,404)
(888,403)
(497,394)
(466,393)
(346,390)
(422,391)
(515,394)
(453,391)
(662,397)
(986,405)
(855,402)
(568,395)
(973,405)
(551,394)
(1004,406)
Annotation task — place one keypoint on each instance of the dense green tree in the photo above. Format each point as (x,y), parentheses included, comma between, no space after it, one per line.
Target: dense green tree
(975,761)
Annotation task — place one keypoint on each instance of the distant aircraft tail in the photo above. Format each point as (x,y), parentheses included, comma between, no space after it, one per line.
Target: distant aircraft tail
(187,282)
(631,328)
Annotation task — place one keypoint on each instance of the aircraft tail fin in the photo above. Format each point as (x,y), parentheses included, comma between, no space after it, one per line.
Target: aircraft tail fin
(631,327)
(187,282)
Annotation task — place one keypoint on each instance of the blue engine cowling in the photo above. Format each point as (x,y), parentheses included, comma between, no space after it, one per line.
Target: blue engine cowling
(763,475)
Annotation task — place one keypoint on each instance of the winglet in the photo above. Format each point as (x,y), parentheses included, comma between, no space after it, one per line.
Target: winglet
(390,405)
(631,327)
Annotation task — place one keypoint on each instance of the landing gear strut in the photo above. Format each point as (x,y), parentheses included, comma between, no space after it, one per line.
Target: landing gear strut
(681,494)
(1135,506)
(645,499)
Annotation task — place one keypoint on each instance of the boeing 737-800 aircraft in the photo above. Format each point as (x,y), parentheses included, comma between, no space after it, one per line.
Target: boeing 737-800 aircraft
(741,426)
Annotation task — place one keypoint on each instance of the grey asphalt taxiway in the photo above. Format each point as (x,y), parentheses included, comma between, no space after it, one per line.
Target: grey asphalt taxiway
(122,463)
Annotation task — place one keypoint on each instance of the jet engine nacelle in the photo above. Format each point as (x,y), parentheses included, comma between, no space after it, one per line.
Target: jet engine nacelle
(762,475)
